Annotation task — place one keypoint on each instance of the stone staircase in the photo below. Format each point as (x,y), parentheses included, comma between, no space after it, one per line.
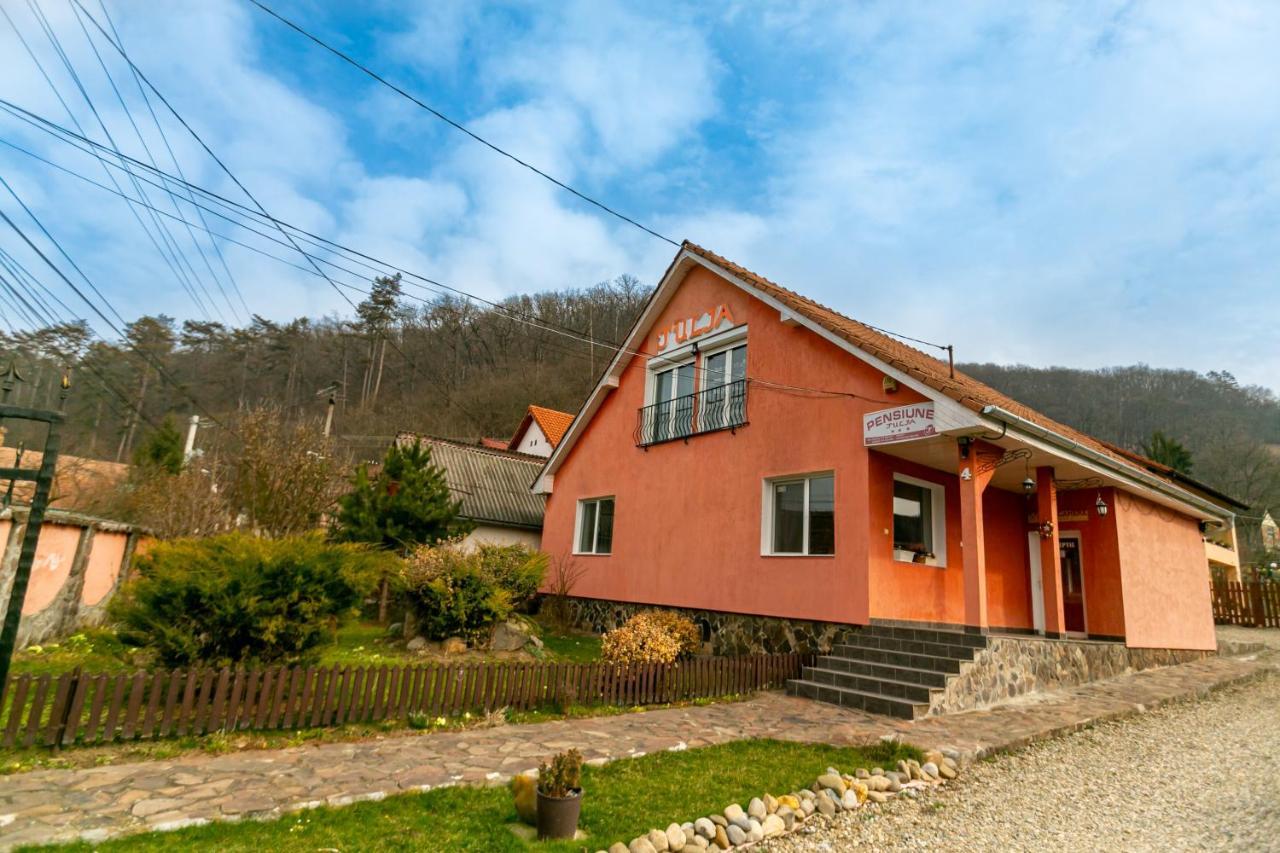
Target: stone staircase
(888,668)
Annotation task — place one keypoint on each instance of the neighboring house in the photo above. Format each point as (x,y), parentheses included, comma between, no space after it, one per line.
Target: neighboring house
(751,452)
(79,483)
(493,486)
(540,431)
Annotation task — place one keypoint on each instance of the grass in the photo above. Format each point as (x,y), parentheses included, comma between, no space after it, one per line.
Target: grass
(621,800)
(358,644)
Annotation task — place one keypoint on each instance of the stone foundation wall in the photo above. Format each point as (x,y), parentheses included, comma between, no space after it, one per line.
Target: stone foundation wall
(1013,666)
(723,633)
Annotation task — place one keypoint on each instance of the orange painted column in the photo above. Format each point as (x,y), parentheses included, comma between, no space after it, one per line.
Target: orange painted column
(973,482)
(1055,623)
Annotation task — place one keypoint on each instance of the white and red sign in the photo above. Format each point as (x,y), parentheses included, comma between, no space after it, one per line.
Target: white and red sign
(901,423)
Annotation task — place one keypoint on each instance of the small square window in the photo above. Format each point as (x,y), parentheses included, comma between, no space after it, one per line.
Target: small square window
(595,526)
(800,516)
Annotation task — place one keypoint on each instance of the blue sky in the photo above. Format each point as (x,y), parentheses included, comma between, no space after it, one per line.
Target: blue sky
(1086,184)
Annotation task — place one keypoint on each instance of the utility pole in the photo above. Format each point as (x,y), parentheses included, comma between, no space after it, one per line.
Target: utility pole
(189,450)
(331,391)
(43,479)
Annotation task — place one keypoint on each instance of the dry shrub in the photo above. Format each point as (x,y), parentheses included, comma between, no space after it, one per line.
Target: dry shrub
(653,636)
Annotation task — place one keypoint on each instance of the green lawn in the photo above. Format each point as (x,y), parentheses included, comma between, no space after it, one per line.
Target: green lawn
(621,800)
(358,644)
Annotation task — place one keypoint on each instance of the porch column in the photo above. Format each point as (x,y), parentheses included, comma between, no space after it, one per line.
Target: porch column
(1055,624)
(972,542)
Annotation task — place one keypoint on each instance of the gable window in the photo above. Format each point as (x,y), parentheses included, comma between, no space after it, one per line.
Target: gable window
(724,394)
(919,521)
(800,515)
(595,526)
(673,399)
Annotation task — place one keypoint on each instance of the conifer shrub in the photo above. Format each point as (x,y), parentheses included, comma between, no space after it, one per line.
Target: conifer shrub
(452,595)
(518,569)
(237,598)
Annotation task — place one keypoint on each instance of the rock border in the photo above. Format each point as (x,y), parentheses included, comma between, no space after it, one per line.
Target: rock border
(768,816)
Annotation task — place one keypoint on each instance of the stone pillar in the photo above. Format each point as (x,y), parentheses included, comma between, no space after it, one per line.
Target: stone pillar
(973,482)
(1055,623)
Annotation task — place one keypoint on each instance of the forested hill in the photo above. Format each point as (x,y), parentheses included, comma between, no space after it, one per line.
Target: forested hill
(454,367)
(1231,431)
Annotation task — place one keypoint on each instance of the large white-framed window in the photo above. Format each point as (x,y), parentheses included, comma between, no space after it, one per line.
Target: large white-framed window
(668,411)
(799,515)
(593,530)
(919,521)
(724,387)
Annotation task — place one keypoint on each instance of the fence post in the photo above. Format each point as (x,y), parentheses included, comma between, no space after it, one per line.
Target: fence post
(1256,605)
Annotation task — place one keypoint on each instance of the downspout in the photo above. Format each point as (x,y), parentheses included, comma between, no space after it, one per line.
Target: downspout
(1153,482)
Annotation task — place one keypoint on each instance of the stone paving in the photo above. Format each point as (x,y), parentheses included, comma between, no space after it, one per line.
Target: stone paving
(61,805)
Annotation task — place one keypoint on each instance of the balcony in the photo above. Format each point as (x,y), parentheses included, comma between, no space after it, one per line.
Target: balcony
(710,410)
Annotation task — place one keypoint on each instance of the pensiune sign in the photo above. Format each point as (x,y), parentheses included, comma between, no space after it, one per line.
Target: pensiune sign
(901,423)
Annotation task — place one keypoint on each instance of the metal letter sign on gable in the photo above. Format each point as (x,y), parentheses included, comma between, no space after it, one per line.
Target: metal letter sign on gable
(901,423)
(43,479)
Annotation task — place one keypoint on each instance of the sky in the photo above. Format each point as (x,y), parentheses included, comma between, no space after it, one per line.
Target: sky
(1084,184)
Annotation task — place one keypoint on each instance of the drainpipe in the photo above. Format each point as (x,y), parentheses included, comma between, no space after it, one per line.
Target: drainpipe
(1213,511)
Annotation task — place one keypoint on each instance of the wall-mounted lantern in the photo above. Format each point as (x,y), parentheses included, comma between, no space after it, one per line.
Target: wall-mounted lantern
(1101,506)
(1046,530)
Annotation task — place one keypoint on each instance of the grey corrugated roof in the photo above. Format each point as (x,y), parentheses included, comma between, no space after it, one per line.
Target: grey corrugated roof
(493,485)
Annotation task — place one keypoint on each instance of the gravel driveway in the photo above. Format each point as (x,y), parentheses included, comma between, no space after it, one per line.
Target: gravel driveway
(1191,776)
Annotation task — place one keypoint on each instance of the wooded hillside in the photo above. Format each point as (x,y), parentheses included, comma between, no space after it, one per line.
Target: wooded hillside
(452,367)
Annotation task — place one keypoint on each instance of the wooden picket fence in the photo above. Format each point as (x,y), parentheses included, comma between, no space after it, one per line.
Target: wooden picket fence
(1252,603)
(78,708)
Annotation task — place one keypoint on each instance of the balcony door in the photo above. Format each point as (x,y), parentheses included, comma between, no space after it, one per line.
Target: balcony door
(725,389)
(673,402)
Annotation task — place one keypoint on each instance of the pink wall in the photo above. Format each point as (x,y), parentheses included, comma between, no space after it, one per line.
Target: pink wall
(1004,520)
(687,526)
(55,552)
(106,558)
(1164,577)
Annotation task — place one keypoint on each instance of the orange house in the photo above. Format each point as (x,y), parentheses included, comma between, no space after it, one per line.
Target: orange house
(751,452)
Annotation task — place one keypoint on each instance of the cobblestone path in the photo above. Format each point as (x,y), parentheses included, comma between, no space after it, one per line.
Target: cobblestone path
(61,805)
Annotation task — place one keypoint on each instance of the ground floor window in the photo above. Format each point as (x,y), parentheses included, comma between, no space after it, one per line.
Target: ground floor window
(595,526)
(800,515)
(919,521)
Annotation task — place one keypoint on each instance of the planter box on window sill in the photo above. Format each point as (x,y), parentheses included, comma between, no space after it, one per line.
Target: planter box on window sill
(912,557)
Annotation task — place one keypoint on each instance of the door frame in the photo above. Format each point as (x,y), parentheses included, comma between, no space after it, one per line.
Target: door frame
(1037,582)
(1084,600)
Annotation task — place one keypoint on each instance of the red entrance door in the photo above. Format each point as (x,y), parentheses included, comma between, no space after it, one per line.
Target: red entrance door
(1072,584)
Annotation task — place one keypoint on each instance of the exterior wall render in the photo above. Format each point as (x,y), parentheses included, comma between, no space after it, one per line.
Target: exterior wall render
(1166,599)
(1100,554)
(492,534)
(688,515)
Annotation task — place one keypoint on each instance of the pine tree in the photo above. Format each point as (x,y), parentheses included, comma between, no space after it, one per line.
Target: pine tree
(406,504)
(162,450)
(1168,451)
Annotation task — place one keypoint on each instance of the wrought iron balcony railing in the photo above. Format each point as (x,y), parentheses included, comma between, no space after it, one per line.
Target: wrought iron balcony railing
(709,410)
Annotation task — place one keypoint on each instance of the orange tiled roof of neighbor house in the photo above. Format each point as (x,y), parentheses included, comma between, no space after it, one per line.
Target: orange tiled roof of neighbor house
(494,443)
(966,390)
(553,423)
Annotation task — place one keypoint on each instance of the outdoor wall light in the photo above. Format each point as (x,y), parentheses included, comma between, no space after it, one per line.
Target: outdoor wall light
(1101,506)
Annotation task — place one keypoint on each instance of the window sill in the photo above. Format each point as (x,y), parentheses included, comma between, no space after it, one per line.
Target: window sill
(593,553)
(931,564)
(811,556)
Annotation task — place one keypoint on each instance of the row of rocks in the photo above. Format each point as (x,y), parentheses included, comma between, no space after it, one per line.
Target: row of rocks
(769,816)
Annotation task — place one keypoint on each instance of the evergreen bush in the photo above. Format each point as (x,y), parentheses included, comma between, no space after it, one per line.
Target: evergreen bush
(237,598)
(516,568)
(452,595)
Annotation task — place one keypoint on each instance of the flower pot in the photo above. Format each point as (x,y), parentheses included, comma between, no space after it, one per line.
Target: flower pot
(558,816)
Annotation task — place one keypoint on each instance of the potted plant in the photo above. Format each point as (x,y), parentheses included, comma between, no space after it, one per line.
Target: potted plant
(560,795)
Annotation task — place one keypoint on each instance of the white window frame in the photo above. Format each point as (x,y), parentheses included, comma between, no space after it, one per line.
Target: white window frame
(766,515)
(938,515)
(723,343)
(595,534)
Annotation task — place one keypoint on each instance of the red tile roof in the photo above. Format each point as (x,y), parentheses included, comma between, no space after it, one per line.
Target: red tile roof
(494,443)
(926,369)
(553,424)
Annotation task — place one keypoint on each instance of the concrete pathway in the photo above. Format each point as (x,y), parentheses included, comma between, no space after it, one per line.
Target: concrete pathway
(62,805)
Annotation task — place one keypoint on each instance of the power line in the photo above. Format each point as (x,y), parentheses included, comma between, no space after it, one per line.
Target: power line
(454,124)
(176,257)
(147,149)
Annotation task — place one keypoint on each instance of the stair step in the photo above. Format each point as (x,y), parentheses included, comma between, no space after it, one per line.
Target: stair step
(897,658)
(890,672)
(887,687)
(872,703)
(927,635)
(858,639)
